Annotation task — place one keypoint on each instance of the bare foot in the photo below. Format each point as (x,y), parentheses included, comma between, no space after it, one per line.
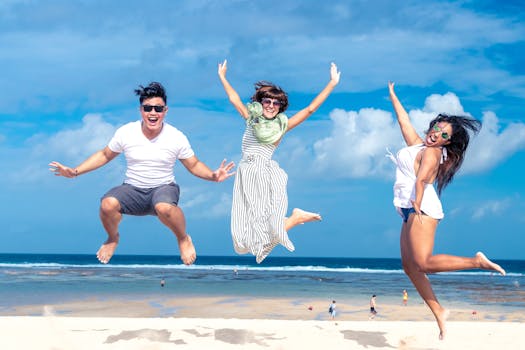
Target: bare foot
(187,250)
(441,320)
(486,264)
(305,216)
(106,250)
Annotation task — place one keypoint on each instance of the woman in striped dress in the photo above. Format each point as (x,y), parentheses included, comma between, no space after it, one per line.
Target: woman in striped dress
(260,203)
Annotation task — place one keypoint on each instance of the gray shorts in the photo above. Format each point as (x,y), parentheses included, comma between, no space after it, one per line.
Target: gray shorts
(141,201)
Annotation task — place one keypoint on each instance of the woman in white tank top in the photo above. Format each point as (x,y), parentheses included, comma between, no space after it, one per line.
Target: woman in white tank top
(436,158)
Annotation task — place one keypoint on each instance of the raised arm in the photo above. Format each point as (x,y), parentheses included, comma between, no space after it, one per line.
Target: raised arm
(95,161)
(303,114)
(199,169)
(233,96)
(409,133)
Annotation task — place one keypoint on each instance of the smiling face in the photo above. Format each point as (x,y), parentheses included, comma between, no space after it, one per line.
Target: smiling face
(439,135)
(271,107)
(153,111)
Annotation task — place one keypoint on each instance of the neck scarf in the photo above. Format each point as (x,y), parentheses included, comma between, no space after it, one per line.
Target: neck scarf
(266,131)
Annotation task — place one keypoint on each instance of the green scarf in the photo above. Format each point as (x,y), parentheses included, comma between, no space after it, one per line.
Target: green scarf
(266,131)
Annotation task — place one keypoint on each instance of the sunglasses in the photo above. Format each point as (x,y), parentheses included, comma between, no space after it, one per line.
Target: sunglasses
(268,101)
(149,108)
(444,135)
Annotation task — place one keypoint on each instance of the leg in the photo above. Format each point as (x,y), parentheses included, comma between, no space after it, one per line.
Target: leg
(428,263)
(173,217)
(418,241)
(300,216)
(110,216)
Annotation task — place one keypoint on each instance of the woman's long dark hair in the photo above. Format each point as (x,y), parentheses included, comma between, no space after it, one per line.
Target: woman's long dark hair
(457,146)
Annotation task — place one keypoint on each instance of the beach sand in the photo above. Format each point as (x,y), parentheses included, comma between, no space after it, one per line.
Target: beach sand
(51,332)
(250,323)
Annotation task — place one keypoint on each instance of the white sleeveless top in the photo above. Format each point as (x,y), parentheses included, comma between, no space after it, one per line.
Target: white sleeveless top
(404,187)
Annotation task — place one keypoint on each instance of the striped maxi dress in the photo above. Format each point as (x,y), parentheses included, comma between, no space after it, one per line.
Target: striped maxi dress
(260,201)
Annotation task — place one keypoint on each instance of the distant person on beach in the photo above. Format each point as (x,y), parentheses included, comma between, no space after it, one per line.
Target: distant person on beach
(162,282)
(373,311)
(260,202)
(405,297)
(436,158)
(151,147)
(331,309)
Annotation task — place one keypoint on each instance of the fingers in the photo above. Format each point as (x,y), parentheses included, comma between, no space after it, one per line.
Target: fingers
(55,167)
(228,166)
(223,67)
(391,86)
(334,73)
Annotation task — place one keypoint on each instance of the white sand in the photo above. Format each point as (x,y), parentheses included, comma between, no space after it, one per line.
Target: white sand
(52,332)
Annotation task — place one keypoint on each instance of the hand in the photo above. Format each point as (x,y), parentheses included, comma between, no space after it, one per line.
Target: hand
(391,87)
(334,74)
(62,170)
(223,172)
(222,69)
(417,208)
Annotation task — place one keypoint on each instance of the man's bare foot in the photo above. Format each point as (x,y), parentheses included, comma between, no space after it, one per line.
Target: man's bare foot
(305,216)
(441,320)
(187,250)
(107,249)
(486,264)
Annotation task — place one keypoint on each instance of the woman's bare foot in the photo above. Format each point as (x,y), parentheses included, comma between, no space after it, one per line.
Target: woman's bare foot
(106,250)
(188,255)
(486,264)
(305,216)
(441,320)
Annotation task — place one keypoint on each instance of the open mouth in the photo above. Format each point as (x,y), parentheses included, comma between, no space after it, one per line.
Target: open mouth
(153,120)
(431,139)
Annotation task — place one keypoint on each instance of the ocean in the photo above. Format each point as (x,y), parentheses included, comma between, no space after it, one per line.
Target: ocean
(29,279)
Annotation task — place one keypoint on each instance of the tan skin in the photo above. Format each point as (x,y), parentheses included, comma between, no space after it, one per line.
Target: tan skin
(298,216)
(418,234)
(169,214)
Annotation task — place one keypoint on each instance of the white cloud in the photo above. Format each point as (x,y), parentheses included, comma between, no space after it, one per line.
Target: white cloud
(493,146)
(69,146)
(77,144)
(491,207)
(56,45)
(356,146)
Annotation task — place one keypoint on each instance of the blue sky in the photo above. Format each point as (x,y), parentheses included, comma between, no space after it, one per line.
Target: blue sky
(70,68)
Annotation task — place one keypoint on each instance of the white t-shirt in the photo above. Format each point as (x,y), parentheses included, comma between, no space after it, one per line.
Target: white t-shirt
(150,162)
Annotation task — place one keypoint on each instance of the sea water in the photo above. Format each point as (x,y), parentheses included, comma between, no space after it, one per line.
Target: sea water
(27,279)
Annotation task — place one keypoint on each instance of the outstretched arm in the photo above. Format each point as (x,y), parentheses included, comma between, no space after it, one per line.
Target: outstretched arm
(303,114)
(230,91)
(199,169)
(95,161)
(409,133)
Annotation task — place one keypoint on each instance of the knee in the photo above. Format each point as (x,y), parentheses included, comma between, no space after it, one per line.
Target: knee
(414,266)
(109,205)
(421,265)
(164,210)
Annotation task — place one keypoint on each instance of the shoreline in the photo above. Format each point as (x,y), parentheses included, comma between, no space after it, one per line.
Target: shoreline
(242,307)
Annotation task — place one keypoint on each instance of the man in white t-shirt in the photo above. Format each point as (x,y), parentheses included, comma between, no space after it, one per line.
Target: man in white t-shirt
(151,148)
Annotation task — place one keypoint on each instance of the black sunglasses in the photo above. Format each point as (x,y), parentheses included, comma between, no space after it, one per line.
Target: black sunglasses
(158,109)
